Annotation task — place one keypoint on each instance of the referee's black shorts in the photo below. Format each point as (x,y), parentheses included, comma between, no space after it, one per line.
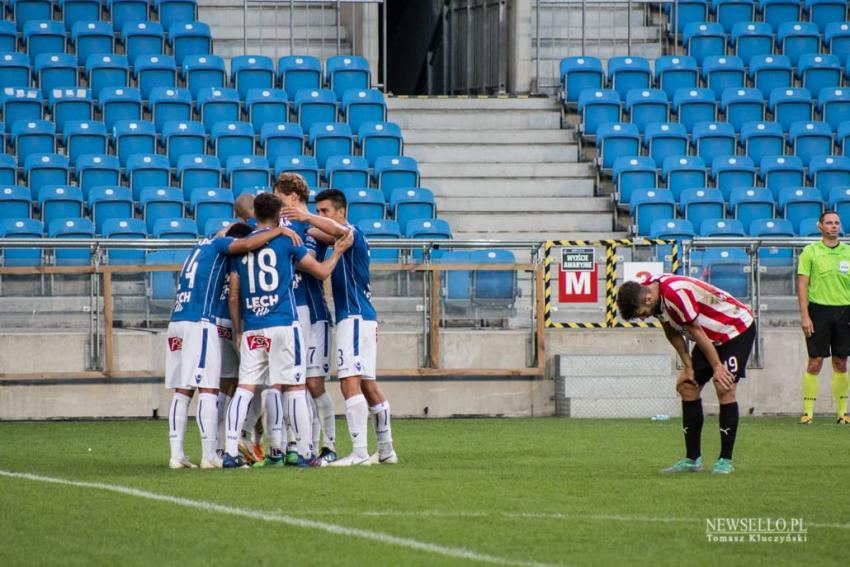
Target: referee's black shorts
(733,354)
(831,336)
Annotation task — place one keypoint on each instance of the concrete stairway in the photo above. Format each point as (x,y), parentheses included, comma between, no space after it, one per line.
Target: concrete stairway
(502,168)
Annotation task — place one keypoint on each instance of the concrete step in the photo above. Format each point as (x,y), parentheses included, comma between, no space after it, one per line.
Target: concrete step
(472,119)
(280,33)
(595,35)
(561,233)
(519,206)
(496,224)
(490,137)
(515,187)
(446,104)
(504,171)
(492,153)
(597,17)
(277,49)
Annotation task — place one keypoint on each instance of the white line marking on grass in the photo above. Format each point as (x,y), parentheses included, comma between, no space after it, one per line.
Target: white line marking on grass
(453,552)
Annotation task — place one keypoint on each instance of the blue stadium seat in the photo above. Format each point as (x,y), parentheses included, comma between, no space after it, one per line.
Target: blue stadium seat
(97,170)
(316,105)
(750,39)
(106,70)
(71,228)
(412,203)
(664,139)
(84,137)
(109,203)
(211,203)
(377,229)
(647,205)
(90,38)
(248,171)
(798,203)
(120,103)
(789,105)
(21,228)
(365,105)
(839,201)
(714,139)
(267,189)
(376,139)
(251,72)
(332,139)
(55,70)
(721,227)
(218,105)
(154,71)
(15,202)
(347,172)
(43,36)
(232,139)
(748,204)
(157,203)
(578,74)
(842,136)
(703,39)
(69,105)
(761,139)
(76,11)
(8,170)
(836,39)
(203,71)
(723,72)
(174,11)
(690,11)
(15,69)
(817,72)
(346,72)
(183,138)
(728,12)
(128,228)
(768,72)
(299,72)
(167,105)
(282,139)
(456,284)
(133,137)
(673,72)
(365,203)
(776,12)
(214,226)
(142,38)
(124,11)
(645,106)
(809,139)
(8,37)
(33,137)
(597,107)
(741,106)
(614,140)
(771,227)
(45,169)
(834,106)
(24,11)
(428,228)
(21,104)
(392,172)
(163,285)
(495,289)
(728,172)
(306,166)
(822,12)
(627,73)
(175,228)
(700,204)
(189,38)
(809,227)
(826,172)
(60,202)
(727,268)
(630,173)
(694,105)
(670,229)
(266,106)
(147,170)
(198,171)
(682,172)
(796,38)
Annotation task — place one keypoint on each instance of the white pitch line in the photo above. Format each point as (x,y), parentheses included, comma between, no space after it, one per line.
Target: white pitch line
(453,552)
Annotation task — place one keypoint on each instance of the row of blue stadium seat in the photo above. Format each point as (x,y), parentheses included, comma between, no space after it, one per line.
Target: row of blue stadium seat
(773,12)
(120,12)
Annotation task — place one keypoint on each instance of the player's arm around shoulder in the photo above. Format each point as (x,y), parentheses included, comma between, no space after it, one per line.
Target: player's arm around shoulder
(323,270)
(237,246)
(233,305)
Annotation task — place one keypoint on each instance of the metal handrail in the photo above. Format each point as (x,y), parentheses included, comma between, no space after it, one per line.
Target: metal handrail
(121,243)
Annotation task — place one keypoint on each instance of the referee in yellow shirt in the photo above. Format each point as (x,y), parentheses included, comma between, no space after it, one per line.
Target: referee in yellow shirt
(823,291)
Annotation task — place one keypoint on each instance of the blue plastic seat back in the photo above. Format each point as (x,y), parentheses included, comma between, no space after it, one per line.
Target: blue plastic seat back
(248,171)
(674,72)
(44,36)
(175,11)
(819,71)
(60,202)
(120,103)
(68,105)
(704,39)
(646,106)
(597,107)
(55,70)
(726,268)
(809,139)
(330,139)
(107,70)
(729,172)
(648,205)
(251,72)
(826,172)
(836,39)
(346,72)
(730,12)
(578,74)
(33,137)
(152,71)
(97,170)
(299,72)
(8,37)
(133,137)
(365,203)
(211,203)
(306,166)
(21,228)
(347,172)
(46,169)
(232,139)
(266,106)
(15,202)
(142,38)
(218,105)
(798,203)
(797,38)
(167,104)
(378,139)
(203,71)
(700,204)
(665,139)
(617,139)
(751,203)
(126,11)
(282,139)
(128,228)
(392,172)
(189,38)
(109,203)
(90,37)
(175,228)
(694,105)
(690,11)
(198,171)
(713,139)
(71,228)
(183,138)
(412,203)
(627,73)
(630,173)
(742,105)
(428,228)
(682,172)
(762,139)
(723,72)
(376,229)
(834,106)
(790,105)
(21,104)
(822,12)
(315,105)
(768,72)
(363,105)
(160,203)
(721,227)
(776,12)
(15,70)
(24,11)
(493,288)
(74,11)
(146,170)
(752,38)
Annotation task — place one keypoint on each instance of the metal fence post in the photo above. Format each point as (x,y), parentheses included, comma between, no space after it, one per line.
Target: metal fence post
(245,27)
(537,48)
(583,6)
(629,28)
(291,28)
(384,44)
(676,27)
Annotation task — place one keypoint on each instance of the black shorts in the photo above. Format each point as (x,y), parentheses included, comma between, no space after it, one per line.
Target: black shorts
(733,354)
(832,331)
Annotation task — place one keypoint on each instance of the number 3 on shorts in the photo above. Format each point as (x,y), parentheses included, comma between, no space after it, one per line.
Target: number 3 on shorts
(339,359)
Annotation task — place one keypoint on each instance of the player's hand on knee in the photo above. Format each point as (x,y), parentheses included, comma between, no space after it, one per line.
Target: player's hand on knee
(723,379)
(686,376)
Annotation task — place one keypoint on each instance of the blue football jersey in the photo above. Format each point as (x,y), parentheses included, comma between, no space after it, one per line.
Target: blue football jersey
(223,308)
(316,292)
(300,228)
(200,282)
(266,296)
(350,279)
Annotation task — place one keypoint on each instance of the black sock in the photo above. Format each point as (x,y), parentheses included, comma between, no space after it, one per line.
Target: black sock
(692,426)
(728,429)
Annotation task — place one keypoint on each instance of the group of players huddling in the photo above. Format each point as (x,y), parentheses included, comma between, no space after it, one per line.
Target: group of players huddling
(256,287)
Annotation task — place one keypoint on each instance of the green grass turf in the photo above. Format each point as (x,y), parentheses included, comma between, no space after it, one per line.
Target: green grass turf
(575,492)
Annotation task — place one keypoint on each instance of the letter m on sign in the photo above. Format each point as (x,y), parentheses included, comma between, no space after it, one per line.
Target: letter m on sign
(578,287)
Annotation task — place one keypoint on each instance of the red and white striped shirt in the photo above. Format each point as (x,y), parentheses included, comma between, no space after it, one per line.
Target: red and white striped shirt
(685,299)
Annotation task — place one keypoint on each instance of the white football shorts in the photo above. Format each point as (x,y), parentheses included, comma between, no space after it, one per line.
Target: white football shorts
(274,355)
(317,337)
(229,355)
(357,348)
(192,355)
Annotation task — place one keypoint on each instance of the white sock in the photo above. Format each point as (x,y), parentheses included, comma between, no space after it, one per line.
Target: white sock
(317,424)
(223,401)
(357,414)
(236,412)
(383,431)
(299,420)
(325,409)
(207,419)
(177,416)
(274,417)
(251,418)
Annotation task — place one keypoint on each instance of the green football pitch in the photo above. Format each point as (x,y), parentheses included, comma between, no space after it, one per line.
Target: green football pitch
(478,491)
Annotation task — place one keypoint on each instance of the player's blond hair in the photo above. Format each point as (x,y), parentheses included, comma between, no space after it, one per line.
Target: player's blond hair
(289,183)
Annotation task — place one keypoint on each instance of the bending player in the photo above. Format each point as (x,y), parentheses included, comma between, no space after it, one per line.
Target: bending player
(262,307)
(356,332)
(723,330)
